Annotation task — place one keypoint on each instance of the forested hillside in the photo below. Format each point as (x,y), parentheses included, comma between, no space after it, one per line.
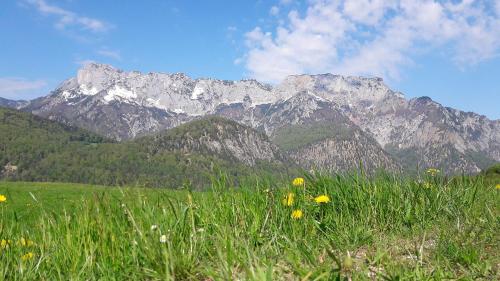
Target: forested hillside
(35,149)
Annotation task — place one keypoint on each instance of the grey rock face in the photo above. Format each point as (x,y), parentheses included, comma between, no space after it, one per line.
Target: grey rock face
(115,119)
(222,137)
(314,133)
(334,154)
(435,136)
(417,132)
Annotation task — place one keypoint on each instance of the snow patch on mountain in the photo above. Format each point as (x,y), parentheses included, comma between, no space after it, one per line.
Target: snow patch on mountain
(198,90)
(87,90)
(119,92)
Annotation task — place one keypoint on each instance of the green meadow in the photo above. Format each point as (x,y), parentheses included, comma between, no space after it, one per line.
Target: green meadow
(345,227)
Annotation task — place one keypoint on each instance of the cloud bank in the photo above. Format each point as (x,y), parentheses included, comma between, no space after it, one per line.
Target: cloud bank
(67,18)
(373,37)
(15,88)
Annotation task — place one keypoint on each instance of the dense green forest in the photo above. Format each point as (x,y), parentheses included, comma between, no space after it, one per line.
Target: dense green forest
(35,149)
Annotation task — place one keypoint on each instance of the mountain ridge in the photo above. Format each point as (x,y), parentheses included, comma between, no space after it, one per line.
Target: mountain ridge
(125,105)
(12,103)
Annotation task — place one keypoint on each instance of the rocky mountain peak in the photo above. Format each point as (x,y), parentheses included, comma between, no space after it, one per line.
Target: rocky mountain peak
(348,91)
(97,75)
(422,101)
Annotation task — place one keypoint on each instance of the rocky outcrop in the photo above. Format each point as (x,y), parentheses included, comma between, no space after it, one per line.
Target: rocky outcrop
(313,132)
(217,136)
(8,170)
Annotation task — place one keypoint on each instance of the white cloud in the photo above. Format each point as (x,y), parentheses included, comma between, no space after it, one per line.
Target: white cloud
(19,88)
(114,54)
(373,37)
(238,61)
(274,11)
(67,18)
(367,11)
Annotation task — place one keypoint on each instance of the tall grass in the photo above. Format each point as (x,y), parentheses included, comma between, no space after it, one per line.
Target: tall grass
(384,227)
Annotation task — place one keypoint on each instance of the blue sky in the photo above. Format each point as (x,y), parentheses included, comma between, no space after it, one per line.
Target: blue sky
(448,50)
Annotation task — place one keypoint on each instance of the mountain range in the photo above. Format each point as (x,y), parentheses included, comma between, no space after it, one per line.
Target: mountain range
(325,122)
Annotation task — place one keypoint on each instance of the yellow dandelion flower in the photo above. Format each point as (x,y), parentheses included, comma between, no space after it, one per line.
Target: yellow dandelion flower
(297,214)
(498,186)
(3,198)
(433,172)
(4,243)
(298,182)
(26,242)
(27,256)
(322,199)
(288,200)
(427,185)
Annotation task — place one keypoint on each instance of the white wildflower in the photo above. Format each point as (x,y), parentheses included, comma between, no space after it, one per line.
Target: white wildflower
(163,239)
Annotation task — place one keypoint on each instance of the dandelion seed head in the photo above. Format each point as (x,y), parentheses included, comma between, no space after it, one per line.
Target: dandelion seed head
(163,238)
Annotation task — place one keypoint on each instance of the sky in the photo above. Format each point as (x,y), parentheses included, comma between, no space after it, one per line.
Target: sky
(447,49)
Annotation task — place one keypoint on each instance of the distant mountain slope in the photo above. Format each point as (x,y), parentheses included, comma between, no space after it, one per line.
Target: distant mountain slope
(12,103)
(115,119)
(35,149)
(315,134)
(26,141)
(216,136)
(419,132)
